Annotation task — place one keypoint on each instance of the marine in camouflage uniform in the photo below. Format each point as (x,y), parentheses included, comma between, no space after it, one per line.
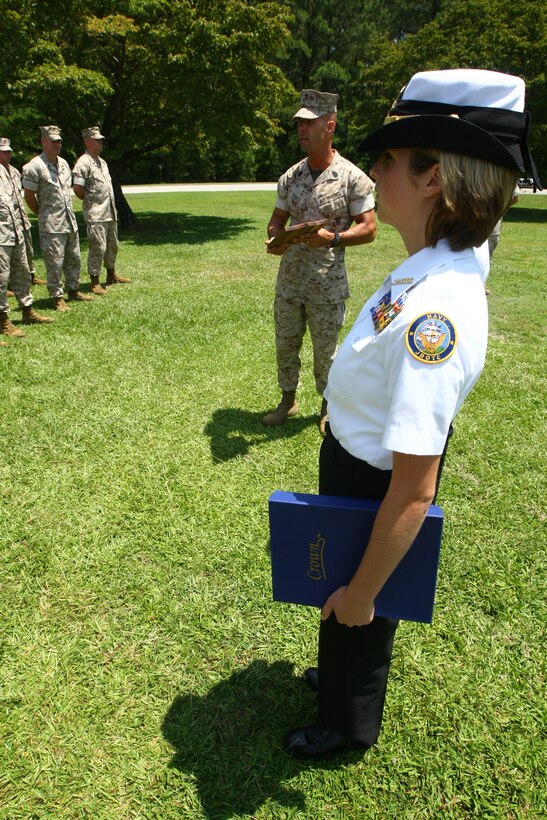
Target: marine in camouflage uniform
(93,185)
(16,190)
(47,183)
(14,265)
(312,287)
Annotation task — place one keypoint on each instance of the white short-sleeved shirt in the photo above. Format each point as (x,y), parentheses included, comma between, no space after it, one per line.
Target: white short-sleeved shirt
(399,389)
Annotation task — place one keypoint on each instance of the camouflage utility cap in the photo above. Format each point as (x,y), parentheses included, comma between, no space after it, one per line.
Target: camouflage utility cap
(5,144)
(52,132)
(94,132)
(315,104)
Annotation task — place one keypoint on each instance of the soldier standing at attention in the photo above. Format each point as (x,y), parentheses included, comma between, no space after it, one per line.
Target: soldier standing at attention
(312,286)
(92,184)
(18,195)
(13,255)
(47,182)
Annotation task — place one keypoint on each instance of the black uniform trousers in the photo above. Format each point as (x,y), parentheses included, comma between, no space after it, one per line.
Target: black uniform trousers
(354,661)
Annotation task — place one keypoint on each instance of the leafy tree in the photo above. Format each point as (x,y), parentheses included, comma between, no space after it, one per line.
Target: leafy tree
(329,50)
(403,17)
(493,34)
(207,88)
(190,75)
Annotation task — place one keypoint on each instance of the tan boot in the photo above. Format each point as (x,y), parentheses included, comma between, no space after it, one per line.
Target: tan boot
(30,317)
(286,407)
(60,304)
(10,293)
(323,418)
(36,281)
(96,287)
(7,327)
(112,278)
(78,296)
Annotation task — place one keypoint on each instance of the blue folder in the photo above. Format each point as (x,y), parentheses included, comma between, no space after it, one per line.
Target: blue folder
(317,543)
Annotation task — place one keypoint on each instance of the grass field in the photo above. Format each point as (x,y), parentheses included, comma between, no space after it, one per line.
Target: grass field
(145,671)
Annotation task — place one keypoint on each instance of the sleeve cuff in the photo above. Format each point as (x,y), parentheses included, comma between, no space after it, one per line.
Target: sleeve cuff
(361,205)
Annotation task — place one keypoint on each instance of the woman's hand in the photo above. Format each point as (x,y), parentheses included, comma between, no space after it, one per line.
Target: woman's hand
(348,609)
(396,525)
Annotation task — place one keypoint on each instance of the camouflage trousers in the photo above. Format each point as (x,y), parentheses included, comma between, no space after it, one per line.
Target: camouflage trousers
(30,251)
(61,253)
(493,241)
(15,270)
(324,322)
(103,246)
(30,255)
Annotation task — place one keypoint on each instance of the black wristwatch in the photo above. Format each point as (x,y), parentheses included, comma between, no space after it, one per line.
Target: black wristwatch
(336,240)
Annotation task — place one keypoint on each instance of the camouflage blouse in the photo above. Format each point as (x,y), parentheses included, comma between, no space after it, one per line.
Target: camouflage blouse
(340,193)
(52,183)
(93,175)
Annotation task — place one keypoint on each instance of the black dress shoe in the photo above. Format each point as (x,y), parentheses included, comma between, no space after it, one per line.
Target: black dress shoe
(316,742)
(311,676)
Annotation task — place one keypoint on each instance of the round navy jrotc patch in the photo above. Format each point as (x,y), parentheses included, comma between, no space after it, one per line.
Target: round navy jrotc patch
(431,338)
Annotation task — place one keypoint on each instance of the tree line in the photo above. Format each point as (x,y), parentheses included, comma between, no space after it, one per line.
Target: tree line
(206,89)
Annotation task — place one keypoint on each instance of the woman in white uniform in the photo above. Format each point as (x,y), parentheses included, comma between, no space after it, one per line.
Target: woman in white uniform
(452,148)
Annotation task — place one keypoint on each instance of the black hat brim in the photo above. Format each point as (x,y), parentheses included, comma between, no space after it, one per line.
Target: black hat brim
(448,134)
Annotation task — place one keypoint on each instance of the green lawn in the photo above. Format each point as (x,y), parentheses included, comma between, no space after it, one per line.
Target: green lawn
(145,671)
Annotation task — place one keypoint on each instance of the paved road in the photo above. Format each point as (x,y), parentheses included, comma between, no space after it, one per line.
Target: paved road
(199,187)
(202,187)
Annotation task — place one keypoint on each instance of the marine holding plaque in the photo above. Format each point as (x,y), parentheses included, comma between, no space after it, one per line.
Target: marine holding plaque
(451,150)
(312,287)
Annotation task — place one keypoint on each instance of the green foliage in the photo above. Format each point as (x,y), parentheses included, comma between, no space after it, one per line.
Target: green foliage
(189,75)
(325,51)
(328,49)
(206,89)
(493,34)
(146,672)
(52,89)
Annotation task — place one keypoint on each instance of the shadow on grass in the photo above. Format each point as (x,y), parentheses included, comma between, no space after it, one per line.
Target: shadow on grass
(230,741)
(234,431)
(169,228)
(42,303)
(46,301)
(526,215)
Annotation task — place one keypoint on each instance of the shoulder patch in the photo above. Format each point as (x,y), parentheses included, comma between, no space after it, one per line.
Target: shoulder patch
(431,338)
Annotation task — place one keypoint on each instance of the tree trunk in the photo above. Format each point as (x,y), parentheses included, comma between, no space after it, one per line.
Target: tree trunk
(126,217)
